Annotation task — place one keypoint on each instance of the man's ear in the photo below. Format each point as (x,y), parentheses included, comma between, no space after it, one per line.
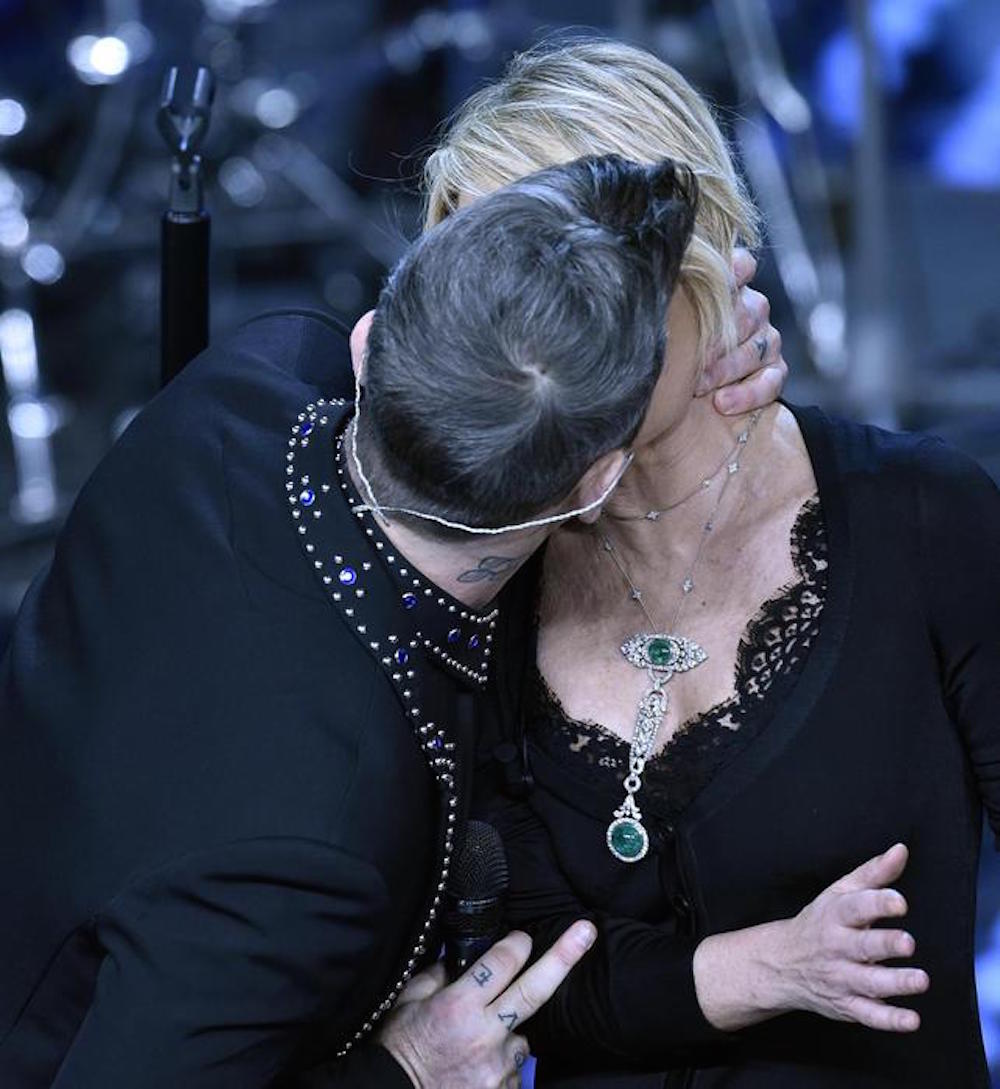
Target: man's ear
(596,481)
(359,344)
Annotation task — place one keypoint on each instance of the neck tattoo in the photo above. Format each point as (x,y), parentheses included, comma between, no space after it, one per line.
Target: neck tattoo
(661,652)
(491,568)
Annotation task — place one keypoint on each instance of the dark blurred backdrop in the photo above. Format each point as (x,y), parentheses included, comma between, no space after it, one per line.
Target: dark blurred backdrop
(869,132)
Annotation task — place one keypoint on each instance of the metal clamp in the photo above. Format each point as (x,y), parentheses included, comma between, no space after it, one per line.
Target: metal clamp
(183,126)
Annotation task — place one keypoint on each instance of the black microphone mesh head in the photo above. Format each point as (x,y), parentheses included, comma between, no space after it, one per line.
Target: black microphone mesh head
(480,869)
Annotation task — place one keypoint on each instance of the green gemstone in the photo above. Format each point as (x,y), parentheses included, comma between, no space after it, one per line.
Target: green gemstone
(627,839)
(661,652)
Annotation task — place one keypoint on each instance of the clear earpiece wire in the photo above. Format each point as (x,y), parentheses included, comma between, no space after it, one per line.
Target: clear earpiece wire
(377,509)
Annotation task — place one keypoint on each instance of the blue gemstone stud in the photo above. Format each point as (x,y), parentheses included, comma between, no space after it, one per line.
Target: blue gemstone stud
(454,635)
(305,430)
(307,497)
(436,743)
(409,601)
(473,642)
(348,576)
(402,656)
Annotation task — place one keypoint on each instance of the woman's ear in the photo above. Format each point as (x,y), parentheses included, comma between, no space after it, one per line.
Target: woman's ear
(359,344)
(599,479)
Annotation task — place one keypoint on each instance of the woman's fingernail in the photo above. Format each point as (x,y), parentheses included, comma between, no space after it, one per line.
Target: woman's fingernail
(909,1021)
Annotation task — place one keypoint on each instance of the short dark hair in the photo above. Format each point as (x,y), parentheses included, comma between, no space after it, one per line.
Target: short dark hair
(520,340)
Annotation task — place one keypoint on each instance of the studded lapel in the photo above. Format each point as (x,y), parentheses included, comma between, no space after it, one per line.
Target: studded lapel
(412,628)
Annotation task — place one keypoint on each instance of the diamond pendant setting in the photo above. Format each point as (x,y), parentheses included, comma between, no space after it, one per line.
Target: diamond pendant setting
(661,655)
(628,840)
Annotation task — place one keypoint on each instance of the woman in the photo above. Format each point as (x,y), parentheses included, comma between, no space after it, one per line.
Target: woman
(775,656)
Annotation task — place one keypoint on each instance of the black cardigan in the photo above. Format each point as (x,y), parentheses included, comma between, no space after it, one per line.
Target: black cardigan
(224,808)
(892,732)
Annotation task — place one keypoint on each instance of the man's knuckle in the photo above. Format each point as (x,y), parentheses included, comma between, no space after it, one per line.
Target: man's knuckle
(565,956)
(453,1007)
(528,997)
(504,960)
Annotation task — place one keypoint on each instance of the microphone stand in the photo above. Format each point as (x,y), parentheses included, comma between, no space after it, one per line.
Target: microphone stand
(186,227)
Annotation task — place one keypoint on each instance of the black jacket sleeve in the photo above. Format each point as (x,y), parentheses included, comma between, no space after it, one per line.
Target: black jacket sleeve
(216,966)
(370,1067)
(959,536)
(632,997)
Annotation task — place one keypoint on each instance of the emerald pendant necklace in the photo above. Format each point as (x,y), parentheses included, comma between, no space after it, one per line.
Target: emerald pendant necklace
(661,653)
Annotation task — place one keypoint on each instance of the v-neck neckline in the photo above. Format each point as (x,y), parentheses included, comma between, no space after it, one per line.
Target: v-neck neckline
(763,614)
(811,682)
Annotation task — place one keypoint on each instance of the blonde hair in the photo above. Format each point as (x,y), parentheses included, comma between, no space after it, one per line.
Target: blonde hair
(598,97)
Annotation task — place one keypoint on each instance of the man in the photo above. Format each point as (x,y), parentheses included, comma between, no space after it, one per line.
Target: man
(237,713)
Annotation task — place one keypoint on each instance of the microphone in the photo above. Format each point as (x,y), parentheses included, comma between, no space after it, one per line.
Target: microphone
(474,898)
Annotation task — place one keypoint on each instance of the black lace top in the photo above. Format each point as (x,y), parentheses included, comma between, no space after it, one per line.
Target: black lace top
(771,653)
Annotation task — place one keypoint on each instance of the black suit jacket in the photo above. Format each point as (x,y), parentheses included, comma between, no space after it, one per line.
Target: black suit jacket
(226,803)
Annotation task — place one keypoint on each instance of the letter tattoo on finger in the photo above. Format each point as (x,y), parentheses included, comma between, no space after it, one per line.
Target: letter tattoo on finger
(509,1019)
(519,1059)
(482,974)
(761,345)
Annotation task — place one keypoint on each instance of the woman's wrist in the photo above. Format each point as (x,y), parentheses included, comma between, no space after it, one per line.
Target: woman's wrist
(738,977)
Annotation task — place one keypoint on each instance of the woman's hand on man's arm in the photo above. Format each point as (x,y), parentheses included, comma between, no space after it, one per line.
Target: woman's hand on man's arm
(825,960)
(753,374)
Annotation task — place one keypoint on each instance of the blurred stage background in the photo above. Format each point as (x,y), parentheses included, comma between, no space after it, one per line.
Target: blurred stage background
(869,131)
